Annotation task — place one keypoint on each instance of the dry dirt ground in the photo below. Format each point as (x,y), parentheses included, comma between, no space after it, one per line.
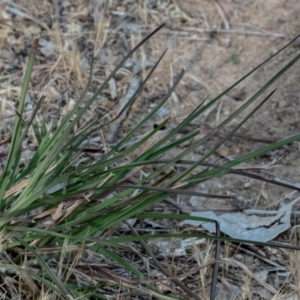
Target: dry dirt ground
(216,45)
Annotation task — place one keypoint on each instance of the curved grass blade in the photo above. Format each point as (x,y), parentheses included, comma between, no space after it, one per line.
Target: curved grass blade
(247,157)
(167,190)
(11,166)
(239,125)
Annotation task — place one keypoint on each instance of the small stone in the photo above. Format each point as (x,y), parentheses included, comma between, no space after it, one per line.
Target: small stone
(223,151)
(247,185)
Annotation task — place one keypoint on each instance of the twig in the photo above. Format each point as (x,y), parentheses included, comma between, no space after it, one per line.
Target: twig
(185,31)
(6,141)
(35,148)
(233,31)
(188,211)
(134,85)
(183,208)
(242,266)
(259,256)
(17,12)
(221,13)
(173,190)
(57,4)
(163,270)
(282,182)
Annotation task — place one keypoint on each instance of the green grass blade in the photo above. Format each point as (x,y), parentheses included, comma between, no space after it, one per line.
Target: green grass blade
(229,119)
(236,128)
(150,115)
(11,166)
(247,157)
(45,267)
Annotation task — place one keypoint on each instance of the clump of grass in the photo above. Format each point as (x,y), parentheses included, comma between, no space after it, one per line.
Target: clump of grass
(56,211)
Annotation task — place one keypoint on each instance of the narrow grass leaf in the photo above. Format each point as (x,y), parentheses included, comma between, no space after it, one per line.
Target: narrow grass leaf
(45,267)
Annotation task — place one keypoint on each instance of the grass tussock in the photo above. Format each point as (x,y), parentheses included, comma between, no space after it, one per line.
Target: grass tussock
(76,206)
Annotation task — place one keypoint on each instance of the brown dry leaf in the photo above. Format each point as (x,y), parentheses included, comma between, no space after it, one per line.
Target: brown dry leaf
(16,188)
(58,212)
(29,282)
(71,209)
(45,213)
(6,24)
